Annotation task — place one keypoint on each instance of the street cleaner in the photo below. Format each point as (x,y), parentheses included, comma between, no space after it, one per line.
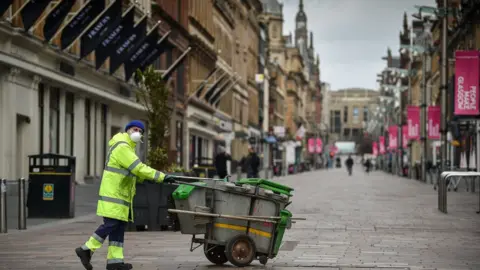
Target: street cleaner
(123,169)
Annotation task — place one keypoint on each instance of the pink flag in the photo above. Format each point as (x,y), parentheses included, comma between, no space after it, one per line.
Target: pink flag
(413,121)
(311,145)
(381,142)
(375,149)
(467,78)
(319,147)
(405,137)
(434,115)
(392,137)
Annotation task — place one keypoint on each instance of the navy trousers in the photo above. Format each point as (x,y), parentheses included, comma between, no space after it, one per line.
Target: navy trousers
(113,228)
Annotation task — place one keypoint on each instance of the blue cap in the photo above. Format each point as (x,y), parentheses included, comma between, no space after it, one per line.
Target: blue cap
(135,123)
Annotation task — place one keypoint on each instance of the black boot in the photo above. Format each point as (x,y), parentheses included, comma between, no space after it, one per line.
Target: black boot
(119,266)
(85,257)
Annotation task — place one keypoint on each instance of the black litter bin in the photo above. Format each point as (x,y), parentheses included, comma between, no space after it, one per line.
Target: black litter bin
(150,207)
(51,186)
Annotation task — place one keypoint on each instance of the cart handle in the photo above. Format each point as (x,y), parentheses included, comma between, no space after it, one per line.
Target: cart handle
(220,216)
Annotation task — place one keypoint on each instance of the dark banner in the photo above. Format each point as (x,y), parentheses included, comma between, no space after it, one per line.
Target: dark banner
(200,88)
(55,18)
(32,11)
(4,5)
(104,25)
(212,91)
(126,44)
(109,42)
(216,98)
(143,51)
(82,19)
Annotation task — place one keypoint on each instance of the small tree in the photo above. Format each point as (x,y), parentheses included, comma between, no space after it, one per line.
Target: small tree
(153,94)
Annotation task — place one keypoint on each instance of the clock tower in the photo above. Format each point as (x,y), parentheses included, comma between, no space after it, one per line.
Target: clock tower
(301,33)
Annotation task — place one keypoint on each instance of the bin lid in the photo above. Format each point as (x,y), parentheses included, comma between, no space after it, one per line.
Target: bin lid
(51,155)
(266,184)
(183,191)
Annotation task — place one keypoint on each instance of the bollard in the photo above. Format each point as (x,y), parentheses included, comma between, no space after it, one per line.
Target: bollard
(266,173)
(206,172)
(22,210)
(3,206)
(239,173)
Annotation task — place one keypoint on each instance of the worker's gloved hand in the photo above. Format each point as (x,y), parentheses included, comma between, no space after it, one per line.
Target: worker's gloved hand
(169,178)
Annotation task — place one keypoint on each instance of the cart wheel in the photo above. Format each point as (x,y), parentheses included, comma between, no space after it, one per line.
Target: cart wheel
(140,228)
(240,250)
(216,255)
(455,189)
(263,259)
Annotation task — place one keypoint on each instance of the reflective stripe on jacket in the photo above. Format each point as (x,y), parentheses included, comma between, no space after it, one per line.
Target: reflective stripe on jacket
(123,169)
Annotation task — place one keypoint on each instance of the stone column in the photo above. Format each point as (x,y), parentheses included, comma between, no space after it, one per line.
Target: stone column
(61,120)
(91,158)
(46,120)
(8,121)
(32,137)
(79,139)
(98,141)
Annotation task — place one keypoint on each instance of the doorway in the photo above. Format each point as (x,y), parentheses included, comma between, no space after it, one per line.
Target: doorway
(20,154)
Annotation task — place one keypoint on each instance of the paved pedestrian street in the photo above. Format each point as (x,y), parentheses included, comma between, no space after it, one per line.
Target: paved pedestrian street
(377,221)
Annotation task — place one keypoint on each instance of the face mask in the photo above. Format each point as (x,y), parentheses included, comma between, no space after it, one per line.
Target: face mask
(136,137)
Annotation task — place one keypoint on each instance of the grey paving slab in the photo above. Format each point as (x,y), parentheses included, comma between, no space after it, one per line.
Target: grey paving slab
(361,222)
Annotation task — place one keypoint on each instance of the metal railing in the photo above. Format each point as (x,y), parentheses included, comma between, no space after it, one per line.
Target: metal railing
(443,187)
(22,206)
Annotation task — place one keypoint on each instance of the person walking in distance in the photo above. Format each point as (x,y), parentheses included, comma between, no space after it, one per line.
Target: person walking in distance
(123,169)
(368,165)
(349,164)
(221,162)
(252,163)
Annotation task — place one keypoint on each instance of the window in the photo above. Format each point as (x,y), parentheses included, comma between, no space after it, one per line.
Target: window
(179,81)
(355,113)
(41,105)
(365,113)
(179,142)
(355,132)
(337,122)
(87,136)
(54,120)
(179,11)
(345,114)
(346,132)
(69,123)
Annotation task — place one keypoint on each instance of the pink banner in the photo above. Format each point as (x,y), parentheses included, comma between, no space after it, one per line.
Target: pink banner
(381,142)
(434,115)
(405,137)
(467,78)
(311,145)
(392,137)
(413,121)
(375,149)
(319,147)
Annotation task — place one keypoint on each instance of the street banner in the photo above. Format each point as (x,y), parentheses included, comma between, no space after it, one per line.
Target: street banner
(319,148)
(392,137)
(32,11)
(104,25)
(4,5)
(110,41)
(55,18)
(433,115)
(413,122)
(375,149)
(82,19)
(405,137)
(311,145)
(381,142)
(136,59)
(467,78)
(127,43)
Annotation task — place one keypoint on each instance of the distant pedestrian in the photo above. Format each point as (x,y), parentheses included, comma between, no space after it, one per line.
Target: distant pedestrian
(349,164)
(252,163)
(221,162)
(368,165)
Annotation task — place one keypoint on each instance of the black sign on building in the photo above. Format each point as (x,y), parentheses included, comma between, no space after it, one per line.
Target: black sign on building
(32,11)
(82,19)
(110,41)
(55,18)
(103,26)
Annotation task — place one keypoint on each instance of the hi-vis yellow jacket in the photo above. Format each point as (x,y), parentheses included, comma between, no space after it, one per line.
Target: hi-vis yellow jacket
(122,170)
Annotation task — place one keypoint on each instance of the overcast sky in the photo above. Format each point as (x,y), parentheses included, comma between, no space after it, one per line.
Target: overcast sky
(352,36)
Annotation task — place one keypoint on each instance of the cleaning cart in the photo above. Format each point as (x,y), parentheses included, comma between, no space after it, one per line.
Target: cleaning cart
(240,222)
